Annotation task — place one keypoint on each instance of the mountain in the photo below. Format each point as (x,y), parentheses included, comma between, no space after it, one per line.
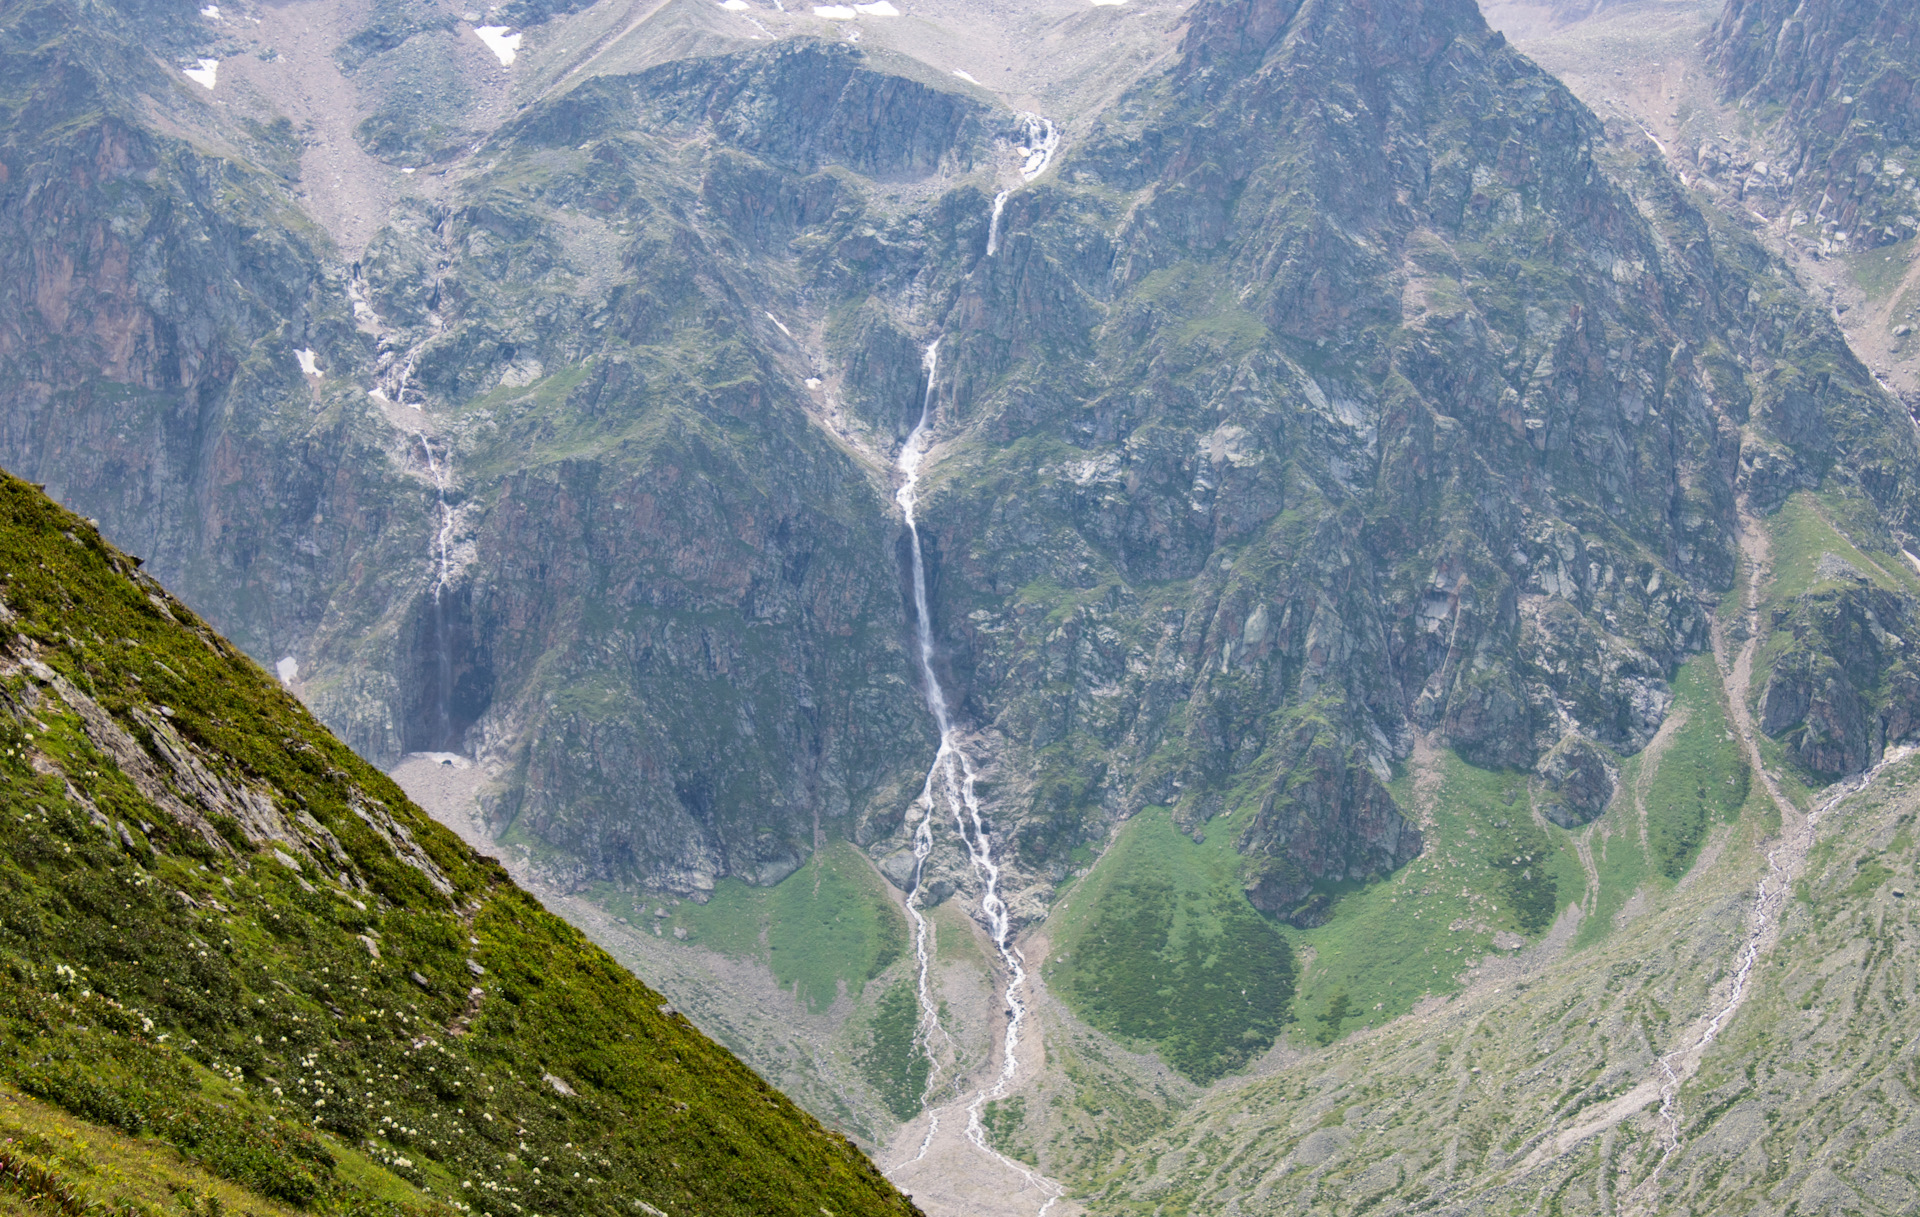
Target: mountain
(242,970)
(1189,534)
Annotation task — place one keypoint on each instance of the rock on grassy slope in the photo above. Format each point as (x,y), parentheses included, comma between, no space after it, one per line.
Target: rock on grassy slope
(231,940)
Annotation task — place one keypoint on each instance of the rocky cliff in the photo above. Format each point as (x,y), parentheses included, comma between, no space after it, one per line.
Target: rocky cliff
(1832,85)
(1323,391)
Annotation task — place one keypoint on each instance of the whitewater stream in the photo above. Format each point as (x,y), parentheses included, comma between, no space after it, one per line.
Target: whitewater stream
(950,787)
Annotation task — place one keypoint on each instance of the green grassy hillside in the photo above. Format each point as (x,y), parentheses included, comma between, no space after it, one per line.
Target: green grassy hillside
(241,972)
(1159,946)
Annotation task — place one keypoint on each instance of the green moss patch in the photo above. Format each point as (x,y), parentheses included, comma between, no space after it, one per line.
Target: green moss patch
(829,926)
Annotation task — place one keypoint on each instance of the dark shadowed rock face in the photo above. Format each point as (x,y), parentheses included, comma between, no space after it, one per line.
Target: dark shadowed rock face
(1838,82)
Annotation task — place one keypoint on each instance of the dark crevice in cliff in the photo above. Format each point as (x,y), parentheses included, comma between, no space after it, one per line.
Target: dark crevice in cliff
(448,680)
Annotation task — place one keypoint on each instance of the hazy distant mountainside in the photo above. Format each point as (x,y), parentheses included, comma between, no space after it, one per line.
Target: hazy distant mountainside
(249,969)
(1344,450)
(1836,86)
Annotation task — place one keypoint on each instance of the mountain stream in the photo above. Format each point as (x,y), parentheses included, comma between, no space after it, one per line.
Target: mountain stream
(950,785)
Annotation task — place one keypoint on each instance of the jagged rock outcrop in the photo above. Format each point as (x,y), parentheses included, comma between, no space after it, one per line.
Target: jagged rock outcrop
(1843,685)
(1580,779)
(1834,82)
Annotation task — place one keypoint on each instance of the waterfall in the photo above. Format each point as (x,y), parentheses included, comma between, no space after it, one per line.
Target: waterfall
(1042,142)
(951,780)
(1035,155)
(993,225)
(443,575)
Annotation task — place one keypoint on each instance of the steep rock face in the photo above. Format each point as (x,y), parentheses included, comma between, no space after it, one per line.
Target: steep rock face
(680,591)
(1384,398)
(1838,83)
(1842,684)
(639,577)
(1338,383)
(156,291)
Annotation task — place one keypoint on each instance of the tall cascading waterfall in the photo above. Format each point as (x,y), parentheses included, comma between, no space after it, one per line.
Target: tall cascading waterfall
(993,224)
(951,780)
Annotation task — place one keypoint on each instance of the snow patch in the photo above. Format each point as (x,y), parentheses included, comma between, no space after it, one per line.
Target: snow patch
(211,12)
(879,8)
(289,670)
(778,322)
(964,76)
(1108,3)
(834,12)
(204,74)
(502,41)
(406,169)
(735,6)
(307,362)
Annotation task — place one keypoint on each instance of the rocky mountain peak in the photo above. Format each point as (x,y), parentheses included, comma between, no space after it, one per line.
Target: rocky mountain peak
(1371,34)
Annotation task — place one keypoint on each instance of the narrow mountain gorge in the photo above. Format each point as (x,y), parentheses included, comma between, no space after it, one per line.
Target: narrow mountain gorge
(1116,596)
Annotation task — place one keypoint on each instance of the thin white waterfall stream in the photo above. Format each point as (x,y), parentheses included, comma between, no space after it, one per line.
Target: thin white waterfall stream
(951,780)
(993,225)
(443,534)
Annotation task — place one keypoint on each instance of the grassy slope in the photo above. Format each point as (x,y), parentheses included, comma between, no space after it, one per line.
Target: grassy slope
(1804,1103)
(169,976)
(827,928)
(1159,945)
(825,932)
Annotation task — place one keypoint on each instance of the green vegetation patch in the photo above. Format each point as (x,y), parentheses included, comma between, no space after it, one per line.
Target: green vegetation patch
(1701,778)
(1801,536)
(830,924)
(1160,945)
(895,1062)
(1487,867)
(1879,272)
